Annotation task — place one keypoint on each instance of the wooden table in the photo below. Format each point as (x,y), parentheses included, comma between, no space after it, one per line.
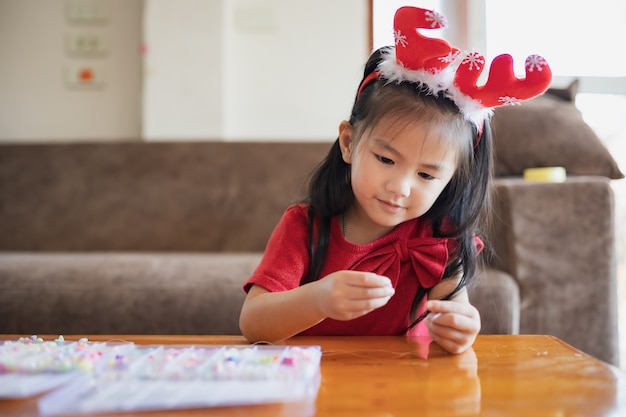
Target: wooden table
(526,375)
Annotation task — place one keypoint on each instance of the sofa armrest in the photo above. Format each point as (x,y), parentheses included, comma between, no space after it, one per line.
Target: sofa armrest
(496,296)
(558,241)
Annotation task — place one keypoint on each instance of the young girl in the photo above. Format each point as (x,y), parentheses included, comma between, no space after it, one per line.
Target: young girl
(388,236)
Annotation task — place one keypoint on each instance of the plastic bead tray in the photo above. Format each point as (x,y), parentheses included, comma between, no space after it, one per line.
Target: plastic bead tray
(111,376)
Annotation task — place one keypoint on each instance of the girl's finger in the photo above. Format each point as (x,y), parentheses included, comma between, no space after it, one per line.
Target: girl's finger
(446,306)
(361,279)
(451,320)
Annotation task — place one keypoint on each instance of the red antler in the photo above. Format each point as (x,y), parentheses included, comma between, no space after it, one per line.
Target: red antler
(426,61)
(502,86)
(415,51)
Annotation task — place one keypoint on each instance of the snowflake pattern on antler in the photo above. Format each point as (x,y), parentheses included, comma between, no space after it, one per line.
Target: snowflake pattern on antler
(399,38)
(475,61)
(535,62)
(437,20)
(450,57)
(509,101)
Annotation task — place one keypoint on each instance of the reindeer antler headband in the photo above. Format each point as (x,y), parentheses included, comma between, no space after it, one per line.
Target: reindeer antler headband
(427,61)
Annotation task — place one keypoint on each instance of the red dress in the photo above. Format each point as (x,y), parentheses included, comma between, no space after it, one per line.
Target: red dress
(409,256)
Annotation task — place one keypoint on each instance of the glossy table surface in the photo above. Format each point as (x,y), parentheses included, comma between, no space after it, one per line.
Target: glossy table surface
(525,375)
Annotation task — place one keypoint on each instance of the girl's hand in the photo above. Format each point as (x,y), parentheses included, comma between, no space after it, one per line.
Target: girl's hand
(345,295)
(453,324)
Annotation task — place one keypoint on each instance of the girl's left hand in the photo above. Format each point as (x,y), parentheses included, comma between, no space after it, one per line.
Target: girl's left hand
(452,324)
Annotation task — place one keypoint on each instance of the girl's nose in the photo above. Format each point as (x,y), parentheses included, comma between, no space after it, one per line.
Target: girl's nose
(400,185)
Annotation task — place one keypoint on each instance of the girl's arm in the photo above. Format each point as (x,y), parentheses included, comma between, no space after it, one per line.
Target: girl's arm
(452,324)
(343,295)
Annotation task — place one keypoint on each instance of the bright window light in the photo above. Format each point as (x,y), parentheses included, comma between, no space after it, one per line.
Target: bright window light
(577,39)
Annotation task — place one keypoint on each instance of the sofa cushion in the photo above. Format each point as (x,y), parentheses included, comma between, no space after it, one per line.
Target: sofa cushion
(152,197)
(549,131)
(122,293)
(159,293)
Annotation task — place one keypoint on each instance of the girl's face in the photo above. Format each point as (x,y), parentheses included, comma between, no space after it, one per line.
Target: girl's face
(398,171)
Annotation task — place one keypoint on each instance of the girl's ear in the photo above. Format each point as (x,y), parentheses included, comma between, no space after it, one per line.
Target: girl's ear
(345,140)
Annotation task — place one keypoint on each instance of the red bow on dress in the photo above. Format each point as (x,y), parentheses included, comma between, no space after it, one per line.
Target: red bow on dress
(428,257)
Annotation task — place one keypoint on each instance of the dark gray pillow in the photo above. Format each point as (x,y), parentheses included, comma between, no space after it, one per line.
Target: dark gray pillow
(549,131)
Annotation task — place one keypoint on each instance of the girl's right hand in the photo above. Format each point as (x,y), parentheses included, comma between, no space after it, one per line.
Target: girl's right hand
(346,295)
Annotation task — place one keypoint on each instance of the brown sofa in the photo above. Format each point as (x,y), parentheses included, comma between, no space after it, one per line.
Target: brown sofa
(123,238)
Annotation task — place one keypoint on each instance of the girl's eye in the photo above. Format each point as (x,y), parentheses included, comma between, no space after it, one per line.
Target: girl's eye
(425,176)
(384,160)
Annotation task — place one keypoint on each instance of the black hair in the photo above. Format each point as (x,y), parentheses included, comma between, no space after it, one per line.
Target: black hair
(459,211)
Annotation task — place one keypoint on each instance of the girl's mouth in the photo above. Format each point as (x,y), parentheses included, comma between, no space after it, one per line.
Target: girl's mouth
(391,207)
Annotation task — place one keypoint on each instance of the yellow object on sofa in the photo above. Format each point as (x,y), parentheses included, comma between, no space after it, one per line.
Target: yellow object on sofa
(545,174)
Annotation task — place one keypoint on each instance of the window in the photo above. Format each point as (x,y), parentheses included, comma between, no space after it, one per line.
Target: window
(576,40)
(579,42)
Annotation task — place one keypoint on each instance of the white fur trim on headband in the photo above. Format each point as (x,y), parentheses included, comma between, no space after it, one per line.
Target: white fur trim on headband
(435,83)
(472,110)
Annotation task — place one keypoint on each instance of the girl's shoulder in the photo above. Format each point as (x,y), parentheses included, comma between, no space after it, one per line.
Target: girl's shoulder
(297,210)
(295,214)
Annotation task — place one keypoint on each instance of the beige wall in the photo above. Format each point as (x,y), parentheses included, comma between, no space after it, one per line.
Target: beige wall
(36,104)
(252,69)
(184,69)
